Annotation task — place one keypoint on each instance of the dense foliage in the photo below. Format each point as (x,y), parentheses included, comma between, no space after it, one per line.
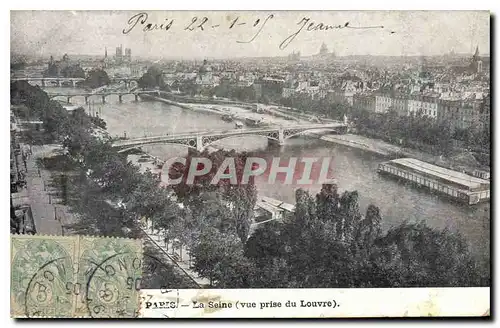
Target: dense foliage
(329,243)
(97,78)
(152,79)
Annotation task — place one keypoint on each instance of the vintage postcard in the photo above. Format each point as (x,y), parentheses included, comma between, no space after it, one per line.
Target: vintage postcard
(253,164)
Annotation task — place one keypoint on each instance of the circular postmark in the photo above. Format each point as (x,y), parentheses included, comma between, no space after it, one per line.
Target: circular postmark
(47,293)
(108,289)
(113,288)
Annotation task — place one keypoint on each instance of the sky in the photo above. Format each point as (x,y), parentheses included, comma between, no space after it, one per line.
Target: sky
(253,33)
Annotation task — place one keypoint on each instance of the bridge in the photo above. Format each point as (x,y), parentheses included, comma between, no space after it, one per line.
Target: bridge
(60,81)
(201,139)
(104,94)
(74,81)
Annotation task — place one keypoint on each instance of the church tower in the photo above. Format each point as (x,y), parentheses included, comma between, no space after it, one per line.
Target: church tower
(477,63)
(476,55)
(323,50)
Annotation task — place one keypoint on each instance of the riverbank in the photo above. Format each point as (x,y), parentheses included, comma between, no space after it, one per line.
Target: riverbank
(237,111)
(356,141)
(388,150)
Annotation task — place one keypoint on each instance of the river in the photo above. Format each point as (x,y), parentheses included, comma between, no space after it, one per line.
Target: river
(354,169)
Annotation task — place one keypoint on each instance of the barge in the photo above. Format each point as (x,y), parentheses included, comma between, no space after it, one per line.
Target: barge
(227,117)
(459,186)
(253,122)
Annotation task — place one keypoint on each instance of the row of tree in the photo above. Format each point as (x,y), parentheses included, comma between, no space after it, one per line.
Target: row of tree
(107,194)
(415,131)
(327,242)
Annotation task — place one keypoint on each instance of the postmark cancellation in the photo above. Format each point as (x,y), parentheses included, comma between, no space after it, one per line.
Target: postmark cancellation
(75,276)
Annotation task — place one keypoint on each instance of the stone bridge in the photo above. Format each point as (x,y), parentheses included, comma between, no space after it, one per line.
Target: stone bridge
(102,94)
(74,81)
(60,81)
(201,139)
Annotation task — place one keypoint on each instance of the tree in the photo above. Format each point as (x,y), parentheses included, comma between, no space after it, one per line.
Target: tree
(327,203)
(149,200)
(97,78)
(152,78)
(56,121)
(219,257)
(74,71)
(369,228)
(350,216)
(236,201)
(76,132)
(424,257)
(35,99)
(265,243)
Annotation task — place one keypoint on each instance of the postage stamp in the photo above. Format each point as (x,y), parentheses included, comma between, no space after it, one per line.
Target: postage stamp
(250,163)
(75,276)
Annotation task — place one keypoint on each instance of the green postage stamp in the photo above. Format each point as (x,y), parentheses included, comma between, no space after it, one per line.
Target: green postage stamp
(75,276)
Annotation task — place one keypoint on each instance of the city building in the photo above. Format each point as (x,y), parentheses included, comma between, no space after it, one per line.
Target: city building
(205,76)
(477,62)
(128,55)
(64,68)
(382,103)
(119,54)
(323,50)
(294,56)
(423,105)
(400,104)
(365,101)
(324,53)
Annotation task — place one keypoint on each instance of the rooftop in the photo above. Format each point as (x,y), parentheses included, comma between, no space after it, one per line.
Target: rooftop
(453,176)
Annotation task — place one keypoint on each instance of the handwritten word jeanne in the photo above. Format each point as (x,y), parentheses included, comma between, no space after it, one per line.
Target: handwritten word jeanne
(306,24)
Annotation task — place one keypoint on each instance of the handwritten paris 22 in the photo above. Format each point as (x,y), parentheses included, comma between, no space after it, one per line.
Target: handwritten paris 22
(256,25)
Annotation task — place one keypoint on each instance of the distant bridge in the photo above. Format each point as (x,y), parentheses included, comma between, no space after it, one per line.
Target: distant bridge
(51,80)
(201,139)
(74,81)
(103,94)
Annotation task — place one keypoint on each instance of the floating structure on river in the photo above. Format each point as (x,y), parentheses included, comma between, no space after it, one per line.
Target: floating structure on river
(227,117)
(253,122)
(459,186)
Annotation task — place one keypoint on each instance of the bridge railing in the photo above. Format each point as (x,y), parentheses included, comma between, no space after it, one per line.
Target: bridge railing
(194,134)
(48,79)
(99,93)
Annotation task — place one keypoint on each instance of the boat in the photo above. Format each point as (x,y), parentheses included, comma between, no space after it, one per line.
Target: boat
(253,121)
(238,125)
(227,118)
(456,185)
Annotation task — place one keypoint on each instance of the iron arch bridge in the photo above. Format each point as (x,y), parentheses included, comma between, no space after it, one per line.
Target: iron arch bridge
(202,139)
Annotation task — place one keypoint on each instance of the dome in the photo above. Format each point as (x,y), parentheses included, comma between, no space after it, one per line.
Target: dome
(205,67)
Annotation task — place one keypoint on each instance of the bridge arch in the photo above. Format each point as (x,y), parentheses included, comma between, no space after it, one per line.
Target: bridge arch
(209,140)
(297,132)
(173,143)
(200,141)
